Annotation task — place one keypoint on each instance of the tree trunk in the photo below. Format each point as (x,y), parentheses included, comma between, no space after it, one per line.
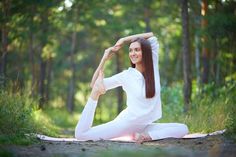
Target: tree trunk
(43,63)
(214,59)
(4,32)
(42,77)
(3,57)
(186,56)
(178,64)
(205,51)
(147,19)
(71,91)
(31,61)
(167,62)
(49,71)
(216,50)
(197,60)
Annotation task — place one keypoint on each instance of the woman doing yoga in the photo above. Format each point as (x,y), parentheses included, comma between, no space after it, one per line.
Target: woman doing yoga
(141,83)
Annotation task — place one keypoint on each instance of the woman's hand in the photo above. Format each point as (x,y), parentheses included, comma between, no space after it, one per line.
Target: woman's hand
(119,43)
(109,52)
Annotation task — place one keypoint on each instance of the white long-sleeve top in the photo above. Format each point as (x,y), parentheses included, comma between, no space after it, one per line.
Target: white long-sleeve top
(140,110)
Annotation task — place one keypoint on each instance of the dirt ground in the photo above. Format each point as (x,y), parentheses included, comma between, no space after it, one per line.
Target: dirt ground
(211,146)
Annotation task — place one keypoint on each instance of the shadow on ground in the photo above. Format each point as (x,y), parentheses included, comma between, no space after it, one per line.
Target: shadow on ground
(211,146)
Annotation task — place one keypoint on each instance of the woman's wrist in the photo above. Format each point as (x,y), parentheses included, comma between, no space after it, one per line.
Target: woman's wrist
(103,60)
(123,40)
(126,39)
(142,35)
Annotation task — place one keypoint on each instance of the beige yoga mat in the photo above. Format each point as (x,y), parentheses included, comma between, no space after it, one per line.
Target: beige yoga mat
(124,138)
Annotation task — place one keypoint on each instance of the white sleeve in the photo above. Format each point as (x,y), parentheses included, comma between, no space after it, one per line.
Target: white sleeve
(114,81)
(155,50)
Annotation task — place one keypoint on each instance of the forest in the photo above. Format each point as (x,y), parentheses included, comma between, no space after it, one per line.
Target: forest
(50,49)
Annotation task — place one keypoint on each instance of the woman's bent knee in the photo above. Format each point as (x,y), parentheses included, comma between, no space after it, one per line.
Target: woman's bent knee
(184,128)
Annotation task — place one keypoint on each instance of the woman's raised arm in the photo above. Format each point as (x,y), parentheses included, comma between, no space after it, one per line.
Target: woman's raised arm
(111,51)
(108,53)
(121,41)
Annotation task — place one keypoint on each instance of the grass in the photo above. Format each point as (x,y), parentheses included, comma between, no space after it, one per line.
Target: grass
(16,118)
(211,109)
(20,119)
(58,122)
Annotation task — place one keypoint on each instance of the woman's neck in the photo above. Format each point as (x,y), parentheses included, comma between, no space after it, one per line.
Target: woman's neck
(139,67)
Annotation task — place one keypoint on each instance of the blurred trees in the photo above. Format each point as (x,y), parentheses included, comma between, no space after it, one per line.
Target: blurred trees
(5,10)
(205,50)
(186,55)
(53,48)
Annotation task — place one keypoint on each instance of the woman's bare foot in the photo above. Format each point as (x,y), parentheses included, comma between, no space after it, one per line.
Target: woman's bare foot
(98,87)
(140,138)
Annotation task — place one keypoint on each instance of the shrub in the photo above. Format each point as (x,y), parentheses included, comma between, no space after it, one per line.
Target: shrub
(16,118)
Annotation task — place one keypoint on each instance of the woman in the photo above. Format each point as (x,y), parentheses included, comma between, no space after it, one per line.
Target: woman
(141,82)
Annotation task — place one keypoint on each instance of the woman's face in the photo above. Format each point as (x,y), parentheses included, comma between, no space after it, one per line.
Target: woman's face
(135,53)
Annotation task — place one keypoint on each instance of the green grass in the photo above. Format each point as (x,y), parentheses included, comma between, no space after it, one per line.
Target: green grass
(211,109)
(20,119)
(16,118)
(57,122)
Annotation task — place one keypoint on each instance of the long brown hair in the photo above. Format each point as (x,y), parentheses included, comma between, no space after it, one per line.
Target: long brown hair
(147,63)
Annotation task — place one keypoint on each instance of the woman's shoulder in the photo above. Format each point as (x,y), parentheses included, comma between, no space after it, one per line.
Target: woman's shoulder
(126,72)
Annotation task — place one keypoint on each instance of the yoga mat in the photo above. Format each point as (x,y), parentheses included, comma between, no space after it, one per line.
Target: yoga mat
(125,138)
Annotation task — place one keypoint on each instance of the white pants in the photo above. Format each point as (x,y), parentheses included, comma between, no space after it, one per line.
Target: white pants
(120,127)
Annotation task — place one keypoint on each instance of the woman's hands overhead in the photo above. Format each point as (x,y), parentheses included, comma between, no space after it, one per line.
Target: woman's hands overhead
(119,43)
(109,52)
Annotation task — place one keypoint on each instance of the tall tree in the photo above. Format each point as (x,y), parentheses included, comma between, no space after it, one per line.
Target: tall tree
(5,9)
(71,90)
(42,60)
(32,57)
(48,77)
(205,51)
(186,56)
(46,27)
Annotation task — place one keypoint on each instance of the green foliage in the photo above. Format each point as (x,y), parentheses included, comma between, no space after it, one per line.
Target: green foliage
(57,122)
(172,103)
(20,119)
(211,109)
(16,119)
(231,110)
(45,124)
